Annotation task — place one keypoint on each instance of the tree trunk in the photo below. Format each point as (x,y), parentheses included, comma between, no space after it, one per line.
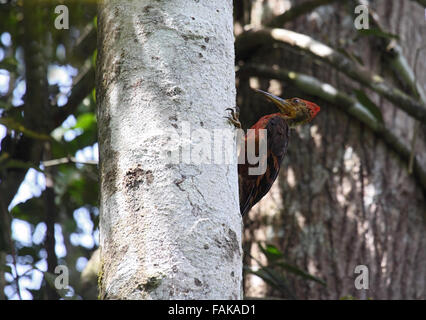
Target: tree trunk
(343,198)
(164,66)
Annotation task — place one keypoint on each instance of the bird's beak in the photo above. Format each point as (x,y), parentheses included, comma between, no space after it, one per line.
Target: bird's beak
(284,106)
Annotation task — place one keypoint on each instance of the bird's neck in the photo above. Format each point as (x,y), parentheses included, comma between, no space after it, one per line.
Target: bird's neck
(291,122)
(294,122)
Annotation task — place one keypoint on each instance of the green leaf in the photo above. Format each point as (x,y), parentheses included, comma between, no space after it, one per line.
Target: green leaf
(94,95)
(295,270)
(378,33)
(273,251)
(264,275)
(270,251)
(274,279)
(275,259)
(370,105)
(86,121)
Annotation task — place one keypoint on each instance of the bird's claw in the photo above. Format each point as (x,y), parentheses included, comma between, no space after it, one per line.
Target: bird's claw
(234,118)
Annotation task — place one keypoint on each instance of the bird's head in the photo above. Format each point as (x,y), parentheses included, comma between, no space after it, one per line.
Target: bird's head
(295,111)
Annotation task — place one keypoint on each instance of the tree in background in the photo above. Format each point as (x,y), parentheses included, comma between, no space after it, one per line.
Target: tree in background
(352,187)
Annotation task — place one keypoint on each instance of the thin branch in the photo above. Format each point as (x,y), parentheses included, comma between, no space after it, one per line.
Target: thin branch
(325,91)
(56,162)
(249,40)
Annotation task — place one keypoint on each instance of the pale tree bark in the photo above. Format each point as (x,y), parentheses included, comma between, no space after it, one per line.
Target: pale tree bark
(343,198)
(168,230)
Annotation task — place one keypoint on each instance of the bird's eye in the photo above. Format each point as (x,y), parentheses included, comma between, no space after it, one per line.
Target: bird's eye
(296,100)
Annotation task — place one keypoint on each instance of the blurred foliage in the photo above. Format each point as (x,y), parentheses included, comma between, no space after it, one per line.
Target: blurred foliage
(65,55)
(276,270)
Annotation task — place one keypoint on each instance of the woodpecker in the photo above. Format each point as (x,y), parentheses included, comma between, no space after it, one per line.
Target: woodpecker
(292,112)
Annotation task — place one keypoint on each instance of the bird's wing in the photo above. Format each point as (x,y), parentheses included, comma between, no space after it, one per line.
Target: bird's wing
(255,187)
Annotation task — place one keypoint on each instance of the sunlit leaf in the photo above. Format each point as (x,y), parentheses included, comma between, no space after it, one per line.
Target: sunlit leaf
(270,251)
(86,121)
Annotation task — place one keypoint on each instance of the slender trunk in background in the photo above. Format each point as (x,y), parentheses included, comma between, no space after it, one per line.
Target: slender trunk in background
(36,108)
(168,231)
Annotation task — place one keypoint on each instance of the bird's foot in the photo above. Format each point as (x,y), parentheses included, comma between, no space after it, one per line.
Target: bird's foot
(234,118)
